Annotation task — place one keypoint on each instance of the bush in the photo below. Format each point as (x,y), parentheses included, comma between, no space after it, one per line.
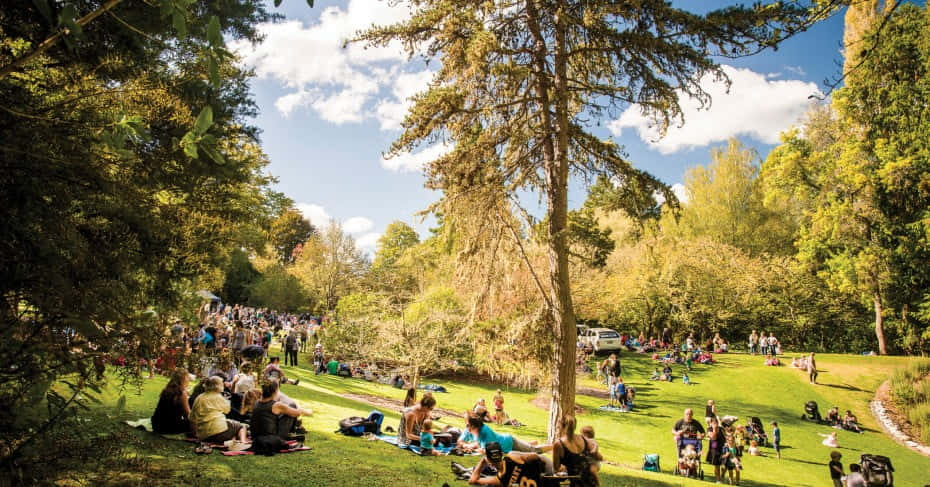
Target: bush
(910,390)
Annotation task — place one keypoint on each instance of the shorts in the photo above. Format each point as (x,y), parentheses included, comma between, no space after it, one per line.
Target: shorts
(232,431)
(776,445)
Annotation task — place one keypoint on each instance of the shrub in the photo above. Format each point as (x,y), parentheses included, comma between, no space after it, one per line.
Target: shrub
(910,390)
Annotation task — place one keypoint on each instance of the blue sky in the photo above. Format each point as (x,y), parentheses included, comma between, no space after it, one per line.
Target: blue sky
(328,113)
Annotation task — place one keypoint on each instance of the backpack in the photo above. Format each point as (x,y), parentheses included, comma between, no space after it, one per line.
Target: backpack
(877,470)
(268,445)
(358,426)
(651,462)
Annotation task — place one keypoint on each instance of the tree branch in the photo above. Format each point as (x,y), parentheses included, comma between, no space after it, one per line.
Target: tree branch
(51,41)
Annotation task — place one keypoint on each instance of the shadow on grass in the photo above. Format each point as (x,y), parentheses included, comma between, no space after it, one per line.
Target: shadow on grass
(842,386)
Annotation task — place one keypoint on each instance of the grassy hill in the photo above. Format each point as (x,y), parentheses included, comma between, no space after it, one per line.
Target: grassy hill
(739,384)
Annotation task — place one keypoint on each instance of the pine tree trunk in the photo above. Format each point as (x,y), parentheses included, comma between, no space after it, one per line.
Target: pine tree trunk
(563,316)
(879,325)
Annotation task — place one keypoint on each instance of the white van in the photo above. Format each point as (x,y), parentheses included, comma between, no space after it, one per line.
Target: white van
(601,339)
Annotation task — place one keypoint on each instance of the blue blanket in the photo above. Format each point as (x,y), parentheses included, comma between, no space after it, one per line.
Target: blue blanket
(392,439)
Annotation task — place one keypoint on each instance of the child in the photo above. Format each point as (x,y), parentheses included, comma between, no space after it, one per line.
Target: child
(594,455)
(830,440)
(611,390)
(739,434)
(620,392)
(689,460)
(776,438)
(754,448)
(685,379)
(426,439)
(499,407)
(836,469)
(731,460)
(655,374)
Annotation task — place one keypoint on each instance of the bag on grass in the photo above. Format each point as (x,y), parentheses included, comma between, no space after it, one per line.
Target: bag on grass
(358,426)
(268,445)
(651,462)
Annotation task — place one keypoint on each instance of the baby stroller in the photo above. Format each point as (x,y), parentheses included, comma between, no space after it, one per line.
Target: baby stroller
(755,431)
(877,470)
(811,413)
(689,458)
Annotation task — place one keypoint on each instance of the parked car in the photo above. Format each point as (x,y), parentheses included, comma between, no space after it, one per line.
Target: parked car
(601,339)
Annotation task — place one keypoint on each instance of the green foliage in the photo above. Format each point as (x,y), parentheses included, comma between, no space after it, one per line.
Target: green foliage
(107,207)
(278,289)
(910,390)
(329,266)
(289,231)
(239,277)
(397,238)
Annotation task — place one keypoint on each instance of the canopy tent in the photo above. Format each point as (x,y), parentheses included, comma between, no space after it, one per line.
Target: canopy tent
(203,293)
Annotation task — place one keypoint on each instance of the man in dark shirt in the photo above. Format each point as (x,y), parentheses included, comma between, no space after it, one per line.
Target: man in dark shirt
(515,468)
(688,427)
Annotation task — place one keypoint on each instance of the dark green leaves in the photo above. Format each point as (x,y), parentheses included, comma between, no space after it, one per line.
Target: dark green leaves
(214,35)
(197,139)
(67,21)
(204,120)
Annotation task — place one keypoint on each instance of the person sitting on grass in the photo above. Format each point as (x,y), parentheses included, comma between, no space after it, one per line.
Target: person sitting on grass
(411,421)
(685,379)
(208,417)
(666,373)
(753,449)
(332,366)
(655,374)
(594,453)
(245,380)
(427,442)
(850,422)
(172,413)
(273,372)
(271,416)
(244,413)
(833,416)
(571,452)
(512,468)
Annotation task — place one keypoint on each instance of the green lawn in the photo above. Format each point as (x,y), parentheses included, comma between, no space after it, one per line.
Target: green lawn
(739,384)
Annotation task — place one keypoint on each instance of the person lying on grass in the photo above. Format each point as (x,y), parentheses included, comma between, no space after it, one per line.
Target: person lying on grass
(208,418)
(484,435)
(271,416)
(512,469)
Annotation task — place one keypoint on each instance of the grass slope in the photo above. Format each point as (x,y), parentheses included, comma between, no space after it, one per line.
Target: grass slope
(739,384)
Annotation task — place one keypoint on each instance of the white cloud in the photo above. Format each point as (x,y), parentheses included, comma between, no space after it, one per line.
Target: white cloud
(315,213)
(680,192)
(368,242)
(390,112)
(335,81)
(414,161)
(755,106)
(357,224)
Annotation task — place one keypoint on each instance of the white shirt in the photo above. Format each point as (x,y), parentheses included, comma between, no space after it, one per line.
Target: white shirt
(855,479)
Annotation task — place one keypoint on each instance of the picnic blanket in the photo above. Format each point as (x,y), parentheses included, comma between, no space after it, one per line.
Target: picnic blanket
(392,439)
(613,409)
(292,446)
(145,424)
